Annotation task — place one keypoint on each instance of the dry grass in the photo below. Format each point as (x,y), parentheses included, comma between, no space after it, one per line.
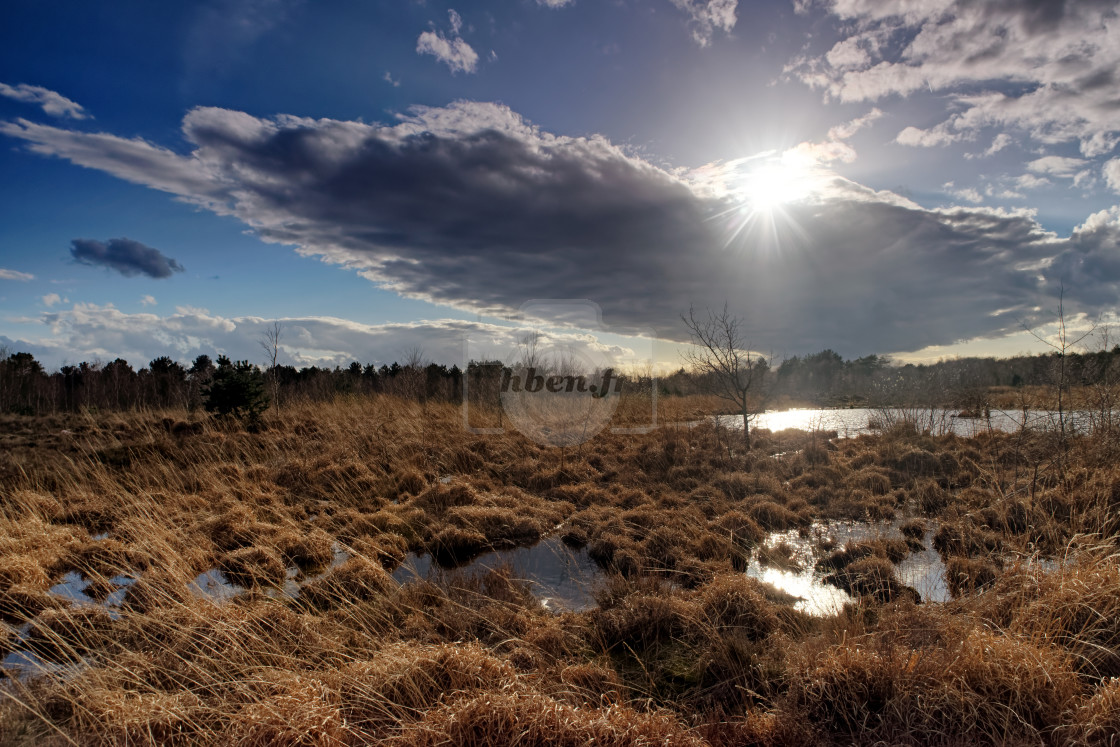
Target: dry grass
(681,647)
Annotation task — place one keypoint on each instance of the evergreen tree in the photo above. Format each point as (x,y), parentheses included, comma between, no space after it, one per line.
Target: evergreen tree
(237,389)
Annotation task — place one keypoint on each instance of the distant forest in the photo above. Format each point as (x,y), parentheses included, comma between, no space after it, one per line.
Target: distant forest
(824,379)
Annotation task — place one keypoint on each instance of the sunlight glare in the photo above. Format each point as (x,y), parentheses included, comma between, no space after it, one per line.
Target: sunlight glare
(776,183)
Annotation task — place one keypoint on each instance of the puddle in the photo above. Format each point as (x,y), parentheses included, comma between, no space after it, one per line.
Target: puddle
(295,579)
(22,664)
(73,587)
(562,578)
(924,571)
(214,586)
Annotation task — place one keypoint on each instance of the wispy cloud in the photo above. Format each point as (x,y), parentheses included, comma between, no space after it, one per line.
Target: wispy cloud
(54,104)
(708,16)
(1111,172)
(128,257)
(1044,69)
(1056,166)
(15,275)
(453,51)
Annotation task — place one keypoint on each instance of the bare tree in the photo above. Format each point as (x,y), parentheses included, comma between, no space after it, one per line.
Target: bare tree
(270,343)
(1063,348)
(412,381)
(723,356)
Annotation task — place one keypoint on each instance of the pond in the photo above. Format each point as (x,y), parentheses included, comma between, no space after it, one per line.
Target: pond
(561,577)
(849,423)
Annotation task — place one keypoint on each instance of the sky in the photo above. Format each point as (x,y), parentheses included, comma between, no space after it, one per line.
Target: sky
(894,177)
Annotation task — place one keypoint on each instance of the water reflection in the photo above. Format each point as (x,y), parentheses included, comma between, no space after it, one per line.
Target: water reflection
(924,570)
(849,423)
(561,578)
(74,587)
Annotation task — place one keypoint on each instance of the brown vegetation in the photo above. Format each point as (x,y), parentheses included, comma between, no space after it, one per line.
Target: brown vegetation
(681,646)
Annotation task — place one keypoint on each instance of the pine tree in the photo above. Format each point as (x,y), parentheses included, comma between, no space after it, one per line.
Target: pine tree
(237,389)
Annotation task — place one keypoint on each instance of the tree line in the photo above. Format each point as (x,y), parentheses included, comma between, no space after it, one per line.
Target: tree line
(824,379)
(26,387)
(827,379)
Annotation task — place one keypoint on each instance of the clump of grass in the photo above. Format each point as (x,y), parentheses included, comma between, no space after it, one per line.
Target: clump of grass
(968,575)
(310,550)
(404,680)
(286,708)
(914,529)
(772,516)
(533,718)
(737,602)
(358,579)
(1097,720)
(983,687)
(779,555)
(962,538)
(873,577)
(253,566)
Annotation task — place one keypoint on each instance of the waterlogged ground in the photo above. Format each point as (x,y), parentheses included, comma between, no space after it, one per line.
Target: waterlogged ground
(216,586)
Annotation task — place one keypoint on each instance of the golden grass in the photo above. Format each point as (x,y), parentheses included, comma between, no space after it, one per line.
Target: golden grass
(681,648)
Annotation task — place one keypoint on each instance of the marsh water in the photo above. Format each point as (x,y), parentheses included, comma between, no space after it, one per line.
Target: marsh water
(561,577)
(924,571)
(851,422)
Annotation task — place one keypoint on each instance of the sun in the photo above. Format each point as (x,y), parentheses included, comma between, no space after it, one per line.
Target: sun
(774,184)
(761,199)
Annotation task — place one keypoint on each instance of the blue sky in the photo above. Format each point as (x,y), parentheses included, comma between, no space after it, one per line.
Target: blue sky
(876,177)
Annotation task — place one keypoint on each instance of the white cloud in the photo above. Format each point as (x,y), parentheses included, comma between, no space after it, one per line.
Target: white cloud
(1058,166)
(1085,179)
(15,275)
(454,52)
(834,148)
(1047,69)
(54,104)
(51,299)
(846,130)
(497,211)
(148,300)
(554,3)
(999,142)
(939,135)
(967,194)
(91,331)
(1111,172)
(708,16)
(1030,181)
(388,78)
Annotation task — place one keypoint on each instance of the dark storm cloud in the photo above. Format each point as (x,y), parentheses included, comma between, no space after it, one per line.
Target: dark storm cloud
(128,257)
(473,207)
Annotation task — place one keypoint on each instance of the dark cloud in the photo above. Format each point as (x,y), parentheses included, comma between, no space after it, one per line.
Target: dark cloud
(473,207)
(128,257)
